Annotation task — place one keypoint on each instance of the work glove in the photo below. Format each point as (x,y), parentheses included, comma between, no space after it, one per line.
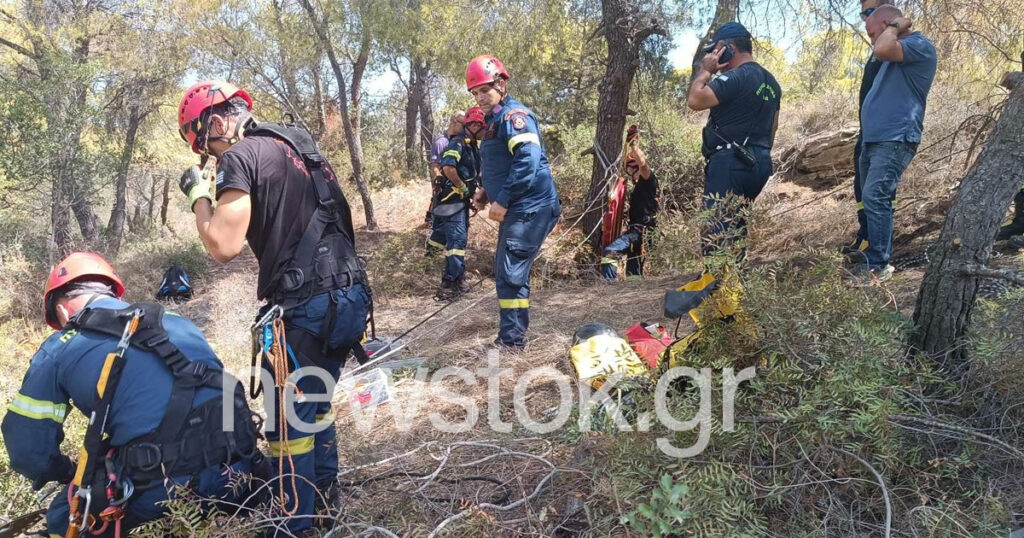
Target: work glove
(463,191)
(196,184)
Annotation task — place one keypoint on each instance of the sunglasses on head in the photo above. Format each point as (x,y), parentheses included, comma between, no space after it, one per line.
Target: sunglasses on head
(867,12)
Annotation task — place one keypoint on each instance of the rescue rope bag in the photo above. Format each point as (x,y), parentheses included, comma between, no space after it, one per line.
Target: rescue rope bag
(189,438)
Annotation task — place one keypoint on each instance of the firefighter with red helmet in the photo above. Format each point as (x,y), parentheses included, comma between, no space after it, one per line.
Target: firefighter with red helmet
(517,181)
(275,190)
(82,301)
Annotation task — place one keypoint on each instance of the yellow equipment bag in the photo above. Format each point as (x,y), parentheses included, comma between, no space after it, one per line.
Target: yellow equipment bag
(597,352)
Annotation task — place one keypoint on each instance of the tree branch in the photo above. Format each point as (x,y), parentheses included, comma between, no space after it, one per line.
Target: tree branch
(972,269)
(17,48)
(881,483)
(654,29)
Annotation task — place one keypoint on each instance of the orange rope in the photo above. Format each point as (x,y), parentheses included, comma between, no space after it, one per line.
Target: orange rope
(279,361)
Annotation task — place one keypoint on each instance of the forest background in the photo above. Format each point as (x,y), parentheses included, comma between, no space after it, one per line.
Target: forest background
(90,156)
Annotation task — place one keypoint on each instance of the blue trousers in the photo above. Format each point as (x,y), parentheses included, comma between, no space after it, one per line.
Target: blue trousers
(519,240)
(315,455)
(858,188)
(725,174)
(882,164)
(212,483)
(631,243)
(436,242)
(455,230)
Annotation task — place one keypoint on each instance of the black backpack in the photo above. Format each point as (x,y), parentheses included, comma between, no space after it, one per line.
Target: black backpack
(176,285)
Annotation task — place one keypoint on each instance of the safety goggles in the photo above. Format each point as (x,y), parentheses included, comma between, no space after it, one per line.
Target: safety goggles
(867,13)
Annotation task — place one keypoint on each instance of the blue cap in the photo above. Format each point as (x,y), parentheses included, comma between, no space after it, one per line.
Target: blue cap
(729,30)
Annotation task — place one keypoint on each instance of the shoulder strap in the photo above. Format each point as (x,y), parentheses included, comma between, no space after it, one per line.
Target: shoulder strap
(151,336)
(329,205)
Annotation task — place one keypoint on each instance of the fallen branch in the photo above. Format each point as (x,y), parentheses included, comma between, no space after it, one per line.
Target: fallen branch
(881,483)
(960,429)
(500,508)
(972,269)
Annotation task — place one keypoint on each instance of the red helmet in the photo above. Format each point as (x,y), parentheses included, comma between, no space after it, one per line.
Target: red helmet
(484,69)
(474,115)
(199,97)
(76,266)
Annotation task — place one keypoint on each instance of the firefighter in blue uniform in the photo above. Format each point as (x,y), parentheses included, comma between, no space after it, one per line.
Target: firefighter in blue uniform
(517,181)
(68,367)
(643,211)
(460,164)
(436,241)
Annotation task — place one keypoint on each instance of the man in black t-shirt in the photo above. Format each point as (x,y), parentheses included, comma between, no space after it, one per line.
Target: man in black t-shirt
(643,212)
(871,67)
(289,207)
(744,102)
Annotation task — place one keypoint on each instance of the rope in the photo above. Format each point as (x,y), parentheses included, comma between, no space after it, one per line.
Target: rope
(279,360)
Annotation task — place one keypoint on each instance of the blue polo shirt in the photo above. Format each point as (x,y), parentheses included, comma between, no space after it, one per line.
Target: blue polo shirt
(894,108)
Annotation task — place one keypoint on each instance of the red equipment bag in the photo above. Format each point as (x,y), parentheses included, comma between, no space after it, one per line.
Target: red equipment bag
(649,341)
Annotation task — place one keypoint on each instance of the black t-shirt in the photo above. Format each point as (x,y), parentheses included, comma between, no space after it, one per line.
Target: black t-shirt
(283,200)
(748,98)
(643,201)
(871,69)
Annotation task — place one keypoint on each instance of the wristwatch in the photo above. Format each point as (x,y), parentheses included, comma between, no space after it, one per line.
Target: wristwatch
(894,24)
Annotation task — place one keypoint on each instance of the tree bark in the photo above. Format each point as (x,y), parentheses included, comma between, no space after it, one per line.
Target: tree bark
(351,119)
(624,33)
(426,132)
(287,68)
(725,11)
(151,208)
(945,301)
(115,227)
(164,202)
(81,205)
(318,97)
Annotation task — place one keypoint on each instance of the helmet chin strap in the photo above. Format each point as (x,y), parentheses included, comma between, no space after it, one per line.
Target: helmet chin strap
(235,126)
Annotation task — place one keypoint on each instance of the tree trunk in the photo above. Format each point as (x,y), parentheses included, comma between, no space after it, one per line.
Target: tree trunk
(152,196)
(946,298)
(426,131)
(624,34)
(115,227)
(725,11)
(287,69)
(412,109)
(351,122)
(81,205)
(164,202)
(318,98)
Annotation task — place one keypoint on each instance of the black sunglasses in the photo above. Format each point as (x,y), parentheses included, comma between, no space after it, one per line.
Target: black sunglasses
(867,12)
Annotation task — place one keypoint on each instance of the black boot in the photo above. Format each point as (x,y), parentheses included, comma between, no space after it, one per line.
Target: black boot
(446,292)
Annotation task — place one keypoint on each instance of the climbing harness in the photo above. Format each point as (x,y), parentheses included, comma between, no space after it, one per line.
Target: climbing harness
(188,439)
(80,488)
(325,258)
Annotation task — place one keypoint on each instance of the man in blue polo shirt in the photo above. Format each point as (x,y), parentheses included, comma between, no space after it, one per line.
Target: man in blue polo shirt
(892,119)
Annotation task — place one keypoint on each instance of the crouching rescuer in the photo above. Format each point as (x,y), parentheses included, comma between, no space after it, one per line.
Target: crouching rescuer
(276,190)
(153,391)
